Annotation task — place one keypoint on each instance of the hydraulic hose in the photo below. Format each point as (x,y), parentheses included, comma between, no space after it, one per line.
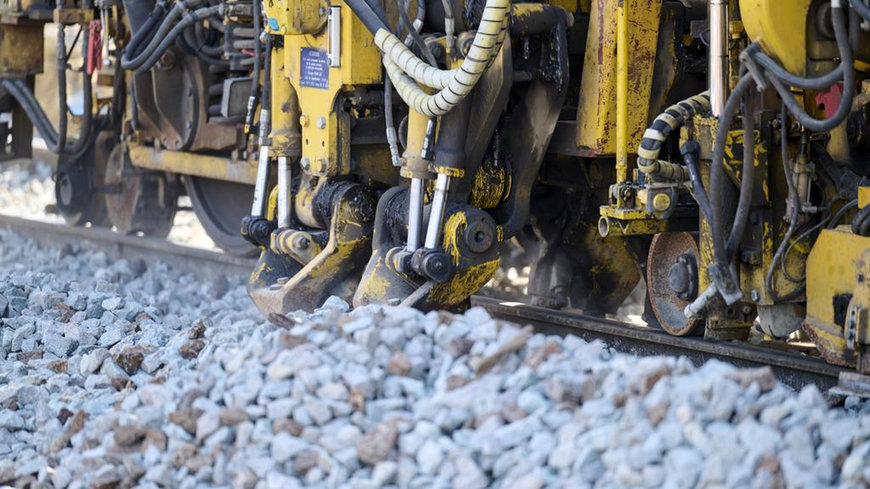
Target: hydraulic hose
(862,9)
(133,58)
(392,136)
(188,20)
(255,80)
(848,60)
(662,127)
(457,89)
(690,152)
(56,140)
(747,179)
(717,169)
(454,85)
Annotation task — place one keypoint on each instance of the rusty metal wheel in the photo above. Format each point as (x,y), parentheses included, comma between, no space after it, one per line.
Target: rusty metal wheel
(672,281)
(79,182)
(137,200)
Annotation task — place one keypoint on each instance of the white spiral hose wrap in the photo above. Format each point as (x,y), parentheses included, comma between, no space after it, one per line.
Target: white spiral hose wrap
(458,87)
(404,67)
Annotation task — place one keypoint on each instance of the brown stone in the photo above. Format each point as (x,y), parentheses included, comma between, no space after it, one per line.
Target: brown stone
(457,381)
(27,356)
(59,366)
(191,349)
(763,375)
(182,453)
(198,330)
(483,365)
(304,461)
(512,412)
(289,341)
(357,400)
(537,357)
(232,416)
(649,379)
(459,347)
(657,412)
(399,364)
(127,436)
(155,437)
(63,415)
(377,444)
(130,358)
(186,418)
(287,425)
(119,383)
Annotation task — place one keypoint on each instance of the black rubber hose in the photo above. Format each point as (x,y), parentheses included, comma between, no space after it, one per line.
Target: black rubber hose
(418,40)
(367,15)
(747,178)
(173,34)
(690,152)
(862,9)
(861,222)
(255,70)
(147,29)
(133,57)
(56,140)
(717,169)
(792,226)
(60,137)
(845,107)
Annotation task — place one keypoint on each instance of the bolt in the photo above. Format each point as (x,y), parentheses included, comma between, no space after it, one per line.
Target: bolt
(755,295)
(661,202)
(305,163)
(301,242)
(303,120)
(321,122)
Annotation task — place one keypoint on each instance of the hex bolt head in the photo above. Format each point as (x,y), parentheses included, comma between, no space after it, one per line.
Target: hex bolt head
(305,163)
(321,122)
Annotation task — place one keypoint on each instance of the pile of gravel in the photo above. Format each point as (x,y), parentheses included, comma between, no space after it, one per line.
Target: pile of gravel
(121,374)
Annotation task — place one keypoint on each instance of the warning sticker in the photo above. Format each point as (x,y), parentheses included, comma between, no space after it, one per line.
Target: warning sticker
(314,66)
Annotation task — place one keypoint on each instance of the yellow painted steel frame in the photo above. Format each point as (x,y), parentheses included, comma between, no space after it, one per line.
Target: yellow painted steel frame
(597,118)
(831,271)
(359,64)
(779,26)
(216,167)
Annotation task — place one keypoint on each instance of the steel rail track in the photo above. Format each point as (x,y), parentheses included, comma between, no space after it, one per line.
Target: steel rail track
(791,368)
(203,263)
(794,369)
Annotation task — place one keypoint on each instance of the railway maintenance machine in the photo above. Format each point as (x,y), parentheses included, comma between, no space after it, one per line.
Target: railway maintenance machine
(386,151)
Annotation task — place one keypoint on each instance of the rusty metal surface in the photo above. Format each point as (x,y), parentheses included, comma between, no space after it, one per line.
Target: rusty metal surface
(791,368)
(665,251)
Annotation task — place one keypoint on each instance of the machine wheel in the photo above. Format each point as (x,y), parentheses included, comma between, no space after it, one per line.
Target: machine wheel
(80,181)
(139,201)
(220,207)
(672,281)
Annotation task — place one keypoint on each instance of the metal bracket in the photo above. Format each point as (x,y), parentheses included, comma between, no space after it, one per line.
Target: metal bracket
(333,28)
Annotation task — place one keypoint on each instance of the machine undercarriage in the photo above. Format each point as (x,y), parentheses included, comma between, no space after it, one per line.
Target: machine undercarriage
(386,152)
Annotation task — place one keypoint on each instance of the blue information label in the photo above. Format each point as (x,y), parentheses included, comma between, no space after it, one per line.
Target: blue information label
(314,66)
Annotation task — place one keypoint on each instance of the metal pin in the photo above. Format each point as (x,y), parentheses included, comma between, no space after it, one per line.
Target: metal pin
(415,214)
(283,193)
(260,183)
(436,214)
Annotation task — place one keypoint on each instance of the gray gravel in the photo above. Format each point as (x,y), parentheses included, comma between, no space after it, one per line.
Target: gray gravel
(122,374)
